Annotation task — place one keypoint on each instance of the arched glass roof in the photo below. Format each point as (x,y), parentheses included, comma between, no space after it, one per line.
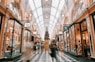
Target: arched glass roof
(37,10)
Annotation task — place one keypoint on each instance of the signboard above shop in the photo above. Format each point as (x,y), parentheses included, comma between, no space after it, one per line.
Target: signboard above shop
(27,25)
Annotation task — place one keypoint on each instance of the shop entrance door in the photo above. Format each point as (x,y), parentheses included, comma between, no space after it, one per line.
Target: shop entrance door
(85,40)
(85,44)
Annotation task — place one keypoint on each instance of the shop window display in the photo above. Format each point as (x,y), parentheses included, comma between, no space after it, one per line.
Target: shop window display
(68,40)
(78,45)
(65,42)
(85,40)
(12,39)
(72,40)
(27,40)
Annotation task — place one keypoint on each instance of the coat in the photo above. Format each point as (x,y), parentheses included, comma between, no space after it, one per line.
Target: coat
(53,51)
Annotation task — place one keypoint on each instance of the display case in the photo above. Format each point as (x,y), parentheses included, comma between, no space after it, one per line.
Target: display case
(85,39)
(12,39)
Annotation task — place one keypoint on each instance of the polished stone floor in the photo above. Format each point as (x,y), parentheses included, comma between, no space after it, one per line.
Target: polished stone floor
(45,57)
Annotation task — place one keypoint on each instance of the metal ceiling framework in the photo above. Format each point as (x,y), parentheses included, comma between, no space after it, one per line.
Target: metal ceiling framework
(46,13)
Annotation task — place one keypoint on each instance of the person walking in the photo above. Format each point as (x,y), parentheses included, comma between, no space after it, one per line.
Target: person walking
(53,49)
(39,47)
(35,47)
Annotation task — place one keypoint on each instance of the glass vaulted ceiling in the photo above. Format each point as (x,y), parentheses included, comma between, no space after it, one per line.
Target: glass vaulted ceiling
(56,9)
(37,12)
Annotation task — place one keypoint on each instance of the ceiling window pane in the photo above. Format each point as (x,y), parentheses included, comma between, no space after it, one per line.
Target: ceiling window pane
(57,14)
(31,5)
(35,14)
(61,5)
(52,18)
(37,3)
(37,20)
(39,11)
(41,22)
(55,3)
(53,11)
(41,18)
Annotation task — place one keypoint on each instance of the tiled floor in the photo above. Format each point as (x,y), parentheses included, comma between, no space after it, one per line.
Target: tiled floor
(45,57)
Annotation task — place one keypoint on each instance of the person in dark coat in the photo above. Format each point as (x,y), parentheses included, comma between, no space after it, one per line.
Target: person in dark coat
(53,48)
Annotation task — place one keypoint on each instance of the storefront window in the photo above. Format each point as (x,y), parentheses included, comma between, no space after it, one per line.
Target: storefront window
(65,41)
(78,44)
(16,39)
(68,40)
(85,40)
(27,40)
(12,39)
(72,39)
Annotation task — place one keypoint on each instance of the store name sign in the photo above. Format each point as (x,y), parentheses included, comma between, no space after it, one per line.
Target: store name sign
(27,24)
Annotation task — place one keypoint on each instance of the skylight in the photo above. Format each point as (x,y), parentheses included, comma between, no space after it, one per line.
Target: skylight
(38,14)
(57,6)
(37,10)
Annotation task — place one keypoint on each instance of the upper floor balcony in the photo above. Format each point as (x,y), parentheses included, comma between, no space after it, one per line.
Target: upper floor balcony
(78,9)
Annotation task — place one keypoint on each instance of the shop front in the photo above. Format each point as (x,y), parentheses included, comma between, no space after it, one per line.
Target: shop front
(12,39)
(66,37)
(84,38)
(27,42)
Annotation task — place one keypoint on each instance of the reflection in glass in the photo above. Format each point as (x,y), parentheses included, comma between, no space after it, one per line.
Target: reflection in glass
(12,39)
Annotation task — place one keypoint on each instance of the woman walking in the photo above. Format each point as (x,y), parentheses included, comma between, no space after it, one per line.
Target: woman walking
(53,48)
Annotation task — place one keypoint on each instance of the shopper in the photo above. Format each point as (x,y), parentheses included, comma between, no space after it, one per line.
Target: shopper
(35,47)
(39,47)
(53,49)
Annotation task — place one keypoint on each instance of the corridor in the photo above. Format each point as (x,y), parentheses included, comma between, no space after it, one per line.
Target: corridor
(45,57)
(47,30)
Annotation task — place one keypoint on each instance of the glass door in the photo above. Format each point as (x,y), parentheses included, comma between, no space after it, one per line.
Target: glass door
(85,40)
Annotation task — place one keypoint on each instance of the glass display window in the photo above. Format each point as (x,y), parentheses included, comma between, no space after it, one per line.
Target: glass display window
(27,39)
(78,43)
(84,26)
(17,38)
(12,39)
(85,40)
(72,39)
(8,37)
(65,42)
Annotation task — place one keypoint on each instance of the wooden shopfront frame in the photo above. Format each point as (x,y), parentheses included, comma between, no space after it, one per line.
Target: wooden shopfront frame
(16,36)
